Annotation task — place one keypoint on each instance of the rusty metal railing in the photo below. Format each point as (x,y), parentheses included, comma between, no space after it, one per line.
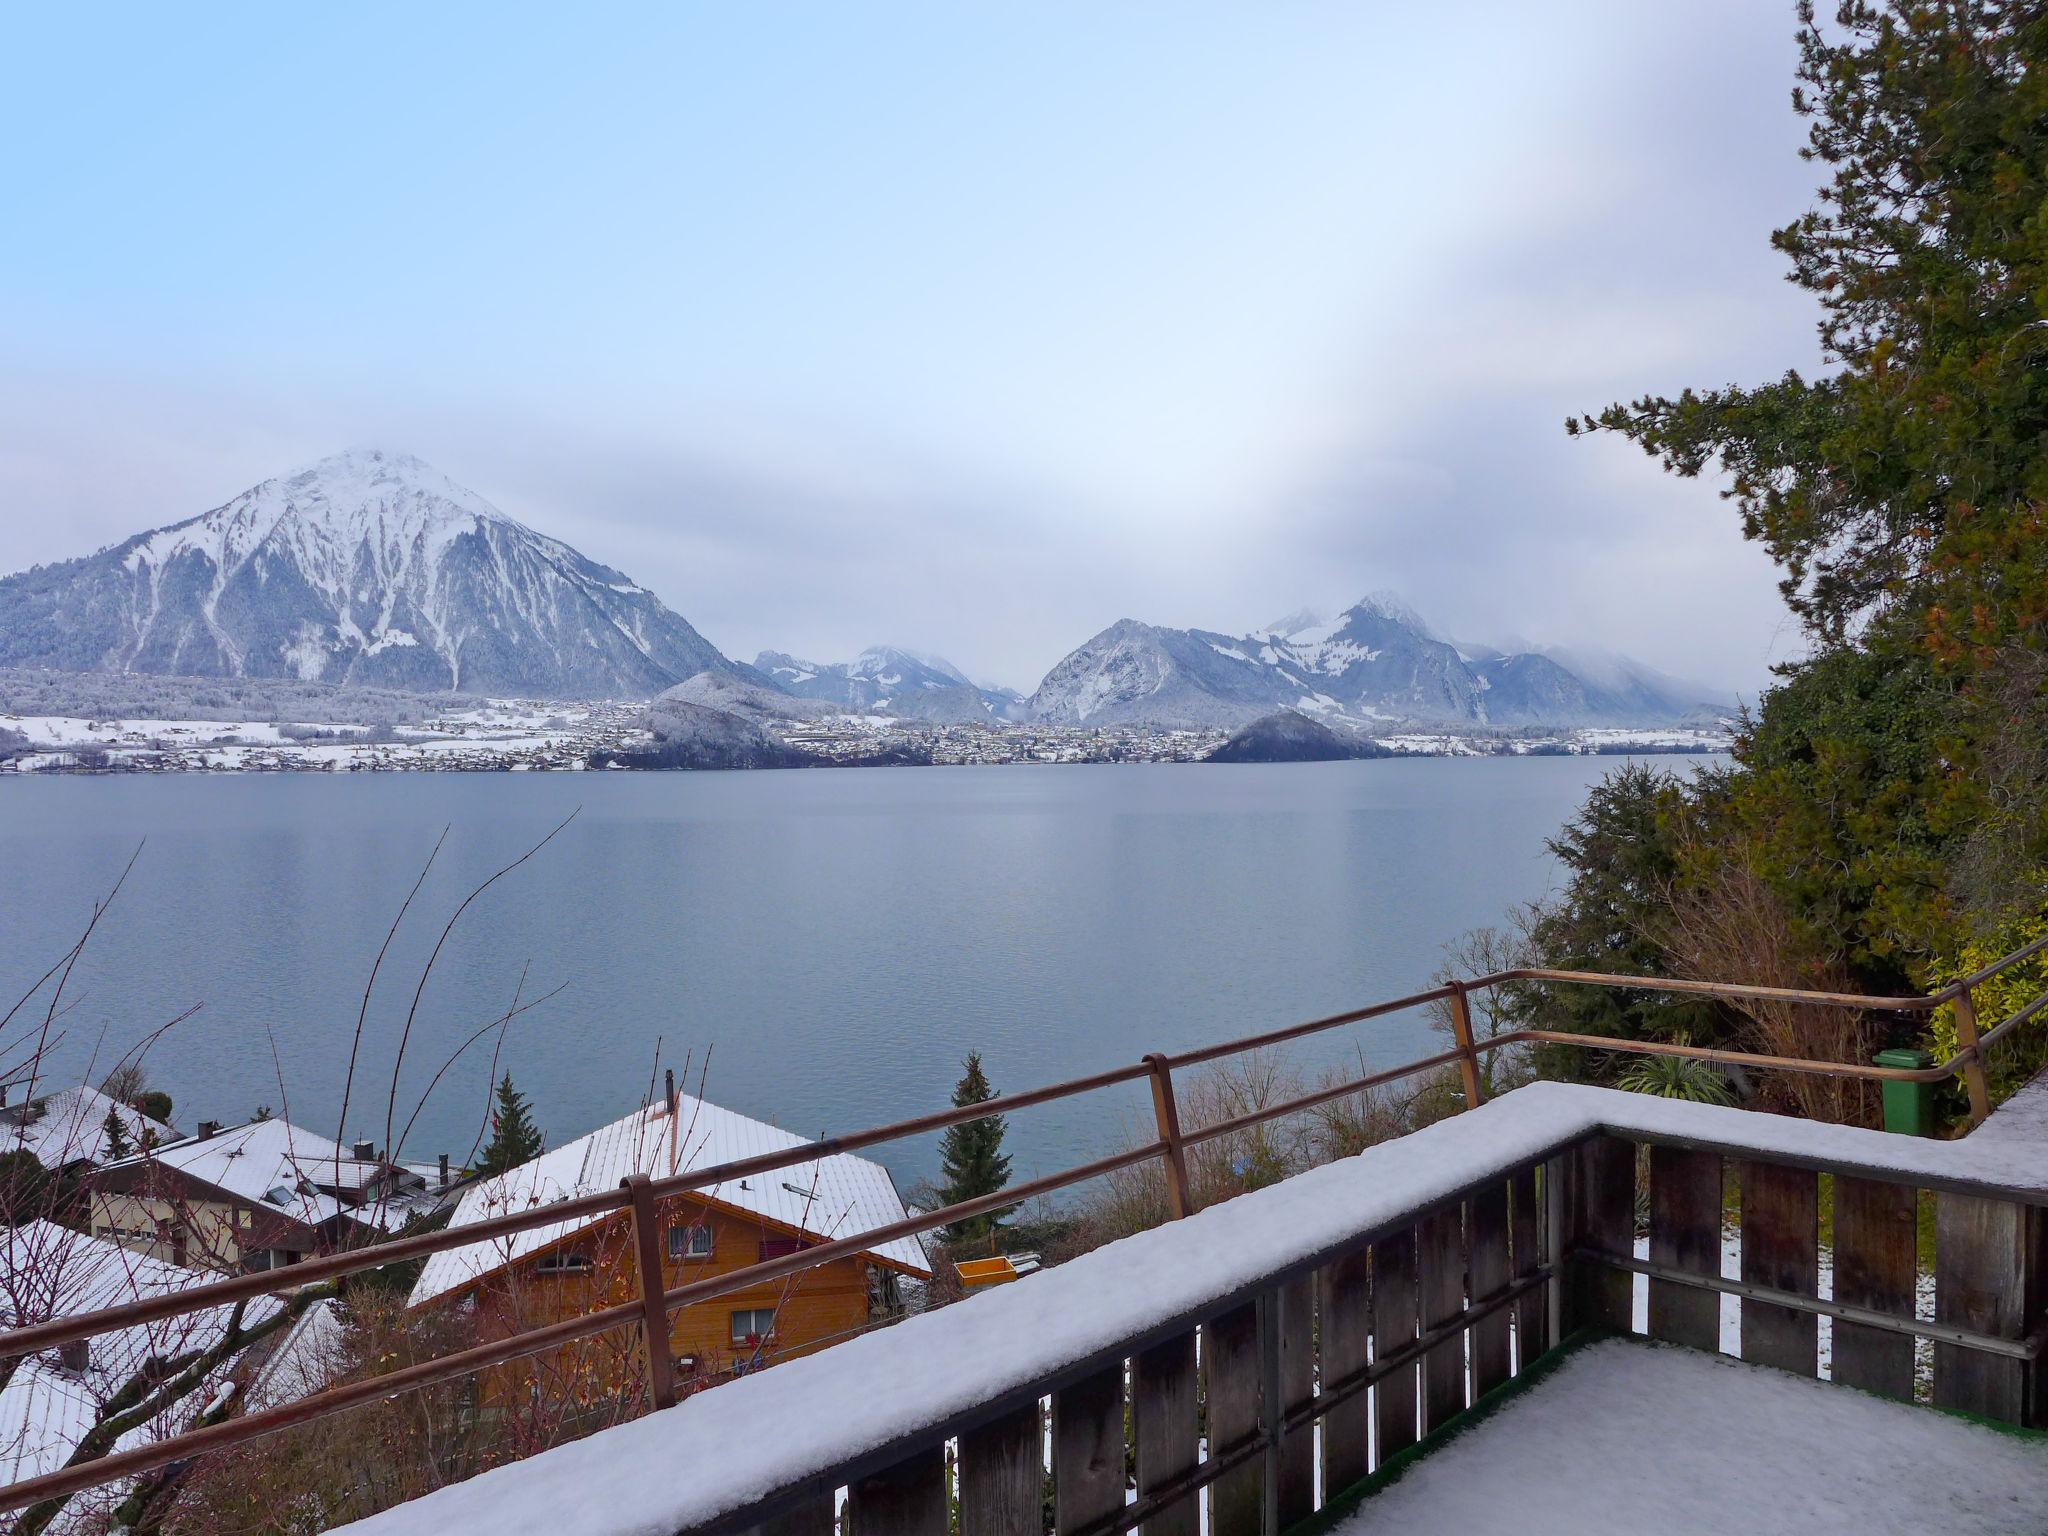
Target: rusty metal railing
(641,1196)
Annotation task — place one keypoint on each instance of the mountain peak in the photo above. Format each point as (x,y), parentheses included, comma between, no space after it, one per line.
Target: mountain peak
(366,566)
(1392,607)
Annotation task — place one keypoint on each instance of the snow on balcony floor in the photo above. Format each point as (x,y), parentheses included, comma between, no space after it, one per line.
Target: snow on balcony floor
(1629,1437)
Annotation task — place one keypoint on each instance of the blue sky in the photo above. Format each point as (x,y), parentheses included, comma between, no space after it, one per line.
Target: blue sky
(969,328)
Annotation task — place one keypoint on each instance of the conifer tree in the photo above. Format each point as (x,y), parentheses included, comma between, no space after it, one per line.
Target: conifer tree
(117,1136)
(515,1139)
(971,1158)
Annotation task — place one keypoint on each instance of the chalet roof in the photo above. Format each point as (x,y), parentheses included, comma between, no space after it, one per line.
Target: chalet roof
(286,1167)
(831,1197)
(46,1408)
(70,1126)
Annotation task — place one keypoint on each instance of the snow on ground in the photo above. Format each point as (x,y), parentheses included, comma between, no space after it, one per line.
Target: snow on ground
(511,732)
(728,1448)
(1627,1438)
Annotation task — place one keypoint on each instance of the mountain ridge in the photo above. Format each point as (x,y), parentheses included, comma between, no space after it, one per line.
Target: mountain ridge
(365,567)
(1375,665)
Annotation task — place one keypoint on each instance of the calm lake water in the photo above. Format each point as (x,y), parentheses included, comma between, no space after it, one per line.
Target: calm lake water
(835,940)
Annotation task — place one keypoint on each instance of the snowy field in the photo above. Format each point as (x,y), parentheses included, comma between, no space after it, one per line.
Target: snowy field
(498,733)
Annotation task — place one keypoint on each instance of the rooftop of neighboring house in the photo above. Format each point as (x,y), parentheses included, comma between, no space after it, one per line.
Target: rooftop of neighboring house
(833,1197)
(52,1399)
(299,1173)
(70,1126)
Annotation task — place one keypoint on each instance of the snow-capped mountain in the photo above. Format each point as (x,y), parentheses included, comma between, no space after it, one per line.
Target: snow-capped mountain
(367,567)
(887,680)
(1377,662)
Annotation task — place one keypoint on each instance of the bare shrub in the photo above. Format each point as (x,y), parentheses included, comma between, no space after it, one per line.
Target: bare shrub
(1732,924)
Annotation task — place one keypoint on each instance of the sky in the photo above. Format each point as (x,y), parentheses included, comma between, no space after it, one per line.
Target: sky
(971,329)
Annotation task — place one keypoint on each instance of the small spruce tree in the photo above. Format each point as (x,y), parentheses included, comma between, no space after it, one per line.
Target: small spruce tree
(971,1158)
(515,1139)
(118,1145)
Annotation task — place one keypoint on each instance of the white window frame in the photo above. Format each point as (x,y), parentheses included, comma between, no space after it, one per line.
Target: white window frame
(690,1250)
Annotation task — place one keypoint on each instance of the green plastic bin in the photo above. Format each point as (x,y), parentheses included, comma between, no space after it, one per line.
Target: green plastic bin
(1908,1107)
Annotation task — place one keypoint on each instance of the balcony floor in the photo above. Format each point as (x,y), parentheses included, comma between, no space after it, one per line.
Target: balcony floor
(1631,1438)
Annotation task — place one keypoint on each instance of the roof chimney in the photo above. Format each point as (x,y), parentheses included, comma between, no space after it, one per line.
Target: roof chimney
(669,1094)
(208,1129)
(366,1151)
(444,1170)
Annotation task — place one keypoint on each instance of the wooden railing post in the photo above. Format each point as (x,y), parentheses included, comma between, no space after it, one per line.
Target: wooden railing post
(661,1371)
(1468,1055)
(1973,1057)
(1167,1112)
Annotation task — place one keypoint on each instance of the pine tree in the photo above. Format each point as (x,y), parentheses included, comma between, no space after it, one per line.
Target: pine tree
(971,1159)
(117,1136)
(515,1139)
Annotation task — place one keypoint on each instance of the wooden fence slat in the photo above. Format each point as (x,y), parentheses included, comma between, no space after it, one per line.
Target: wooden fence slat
(1601,1218)
(1166,1429)
(1002,1476)
(1685,1233)
(1526,1255)
(813,1517)
(1981,1283)
(1486,1238)
(1230,1366)
(1393,1328)
(908,1499)
(1440,1254)
(1298,1386)
(1781,1249)
(1875,1257)
(1346,1333)
(1088,1449)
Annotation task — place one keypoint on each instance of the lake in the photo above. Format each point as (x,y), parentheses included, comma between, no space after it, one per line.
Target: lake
(835,941)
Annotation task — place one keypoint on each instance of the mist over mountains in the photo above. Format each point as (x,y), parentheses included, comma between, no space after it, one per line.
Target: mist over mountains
(374,568)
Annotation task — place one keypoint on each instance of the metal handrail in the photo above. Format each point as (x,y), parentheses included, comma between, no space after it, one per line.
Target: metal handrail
(637,1195)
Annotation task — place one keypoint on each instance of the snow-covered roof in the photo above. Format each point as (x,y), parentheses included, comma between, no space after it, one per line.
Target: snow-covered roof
(726,1449)
(50,1271)
(830,1198)
(70,1125)
(310,1355)
(275,1163)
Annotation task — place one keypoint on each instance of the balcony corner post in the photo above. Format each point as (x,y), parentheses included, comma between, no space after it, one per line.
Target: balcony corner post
(1167,1113)
(1468,1053)
(661,1371)
(1973,1056)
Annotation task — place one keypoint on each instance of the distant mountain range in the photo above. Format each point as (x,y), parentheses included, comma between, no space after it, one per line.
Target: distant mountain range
(374,568)
(1376,664)
(886,680)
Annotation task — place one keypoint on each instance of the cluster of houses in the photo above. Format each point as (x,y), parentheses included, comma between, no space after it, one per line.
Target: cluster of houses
(150,1210)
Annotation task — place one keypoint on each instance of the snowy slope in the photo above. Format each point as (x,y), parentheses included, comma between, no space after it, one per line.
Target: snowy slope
(887,680)
(367,567)
(1375,662)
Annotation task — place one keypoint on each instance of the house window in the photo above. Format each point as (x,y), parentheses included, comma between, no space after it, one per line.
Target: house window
(689,1242)
(753,1323)
(245,1219)
(564,1264)
(780,1247)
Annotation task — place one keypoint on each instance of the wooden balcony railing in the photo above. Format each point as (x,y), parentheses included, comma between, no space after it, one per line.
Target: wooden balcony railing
(641,1195)
(1275,1398)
